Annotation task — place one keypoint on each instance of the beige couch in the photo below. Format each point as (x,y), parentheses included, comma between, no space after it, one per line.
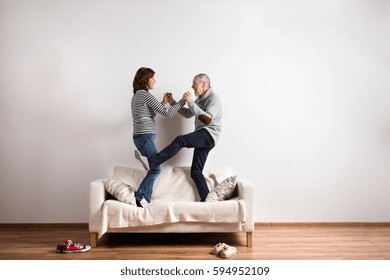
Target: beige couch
(174,208)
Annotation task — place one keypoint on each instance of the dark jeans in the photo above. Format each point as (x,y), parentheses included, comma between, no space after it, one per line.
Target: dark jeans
(202,141)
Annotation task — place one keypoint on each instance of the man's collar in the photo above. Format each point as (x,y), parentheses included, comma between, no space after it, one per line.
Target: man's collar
(206,94)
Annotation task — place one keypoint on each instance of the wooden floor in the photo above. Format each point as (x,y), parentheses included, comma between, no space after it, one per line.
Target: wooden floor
(270,242)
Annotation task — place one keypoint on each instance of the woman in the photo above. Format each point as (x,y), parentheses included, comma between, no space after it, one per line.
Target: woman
(144,107)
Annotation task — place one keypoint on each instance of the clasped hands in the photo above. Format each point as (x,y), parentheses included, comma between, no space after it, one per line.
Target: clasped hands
(168,98)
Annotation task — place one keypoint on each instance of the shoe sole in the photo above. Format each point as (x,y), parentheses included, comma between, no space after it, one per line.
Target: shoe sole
(75,251)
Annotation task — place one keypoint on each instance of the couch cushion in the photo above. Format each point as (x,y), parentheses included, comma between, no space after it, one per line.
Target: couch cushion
(173,183)
(128,175)
(116,214)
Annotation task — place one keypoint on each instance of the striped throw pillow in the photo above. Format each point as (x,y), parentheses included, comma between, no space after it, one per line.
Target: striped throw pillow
(223,191)
(121,191)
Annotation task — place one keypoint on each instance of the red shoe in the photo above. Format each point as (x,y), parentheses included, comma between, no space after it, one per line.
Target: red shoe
(70,247)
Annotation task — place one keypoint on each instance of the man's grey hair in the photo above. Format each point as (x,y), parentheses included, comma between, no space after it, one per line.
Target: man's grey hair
(203,78)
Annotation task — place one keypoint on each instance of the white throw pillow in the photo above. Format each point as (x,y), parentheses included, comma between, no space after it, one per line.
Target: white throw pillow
(121,191)
(223,191)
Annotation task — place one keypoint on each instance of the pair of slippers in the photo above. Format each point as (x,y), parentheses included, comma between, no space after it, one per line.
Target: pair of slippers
(224,251)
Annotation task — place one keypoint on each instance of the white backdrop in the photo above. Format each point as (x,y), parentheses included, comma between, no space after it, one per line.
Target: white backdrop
(304,84)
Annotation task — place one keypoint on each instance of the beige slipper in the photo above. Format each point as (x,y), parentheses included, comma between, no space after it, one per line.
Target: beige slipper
(218,248)
(227,251)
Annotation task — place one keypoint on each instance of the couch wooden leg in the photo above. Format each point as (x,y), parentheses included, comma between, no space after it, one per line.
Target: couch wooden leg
(249,238)
(93,236)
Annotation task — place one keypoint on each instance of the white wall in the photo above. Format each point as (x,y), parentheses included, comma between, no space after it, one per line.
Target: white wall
(304,84)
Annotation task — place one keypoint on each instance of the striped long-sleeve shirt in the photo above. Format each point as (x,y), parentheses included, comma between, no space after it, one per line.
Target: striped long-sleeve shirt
(144,108)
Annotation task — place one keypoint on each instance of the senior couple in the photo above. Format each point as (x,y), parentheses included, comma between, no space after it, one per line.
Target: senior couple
(206,109)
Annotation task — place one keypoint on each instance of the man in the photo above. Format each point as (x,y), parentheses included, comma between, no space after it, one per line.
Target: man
(207,110)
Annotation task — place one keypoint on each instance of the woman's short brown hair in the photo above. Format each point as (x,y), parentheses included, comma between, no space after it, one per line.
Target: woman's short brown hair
(141,79)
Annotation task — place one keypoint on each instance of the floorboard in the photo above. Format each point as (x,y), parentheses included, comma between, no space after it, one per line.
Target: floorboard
(270,242)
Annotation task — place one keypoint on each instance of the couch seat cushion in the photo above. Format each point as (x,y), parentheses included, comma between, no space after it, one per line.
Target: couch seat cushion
(116,214)
(173,183)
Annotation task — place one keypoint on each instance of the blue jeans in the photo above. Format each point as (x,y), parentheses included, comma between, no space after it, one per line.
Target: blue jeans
(202,141)
(147,147)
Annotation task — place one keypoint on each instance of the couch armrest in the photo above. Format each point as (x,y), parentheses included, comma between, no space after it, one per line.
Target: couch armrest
(245,192)
(97,196)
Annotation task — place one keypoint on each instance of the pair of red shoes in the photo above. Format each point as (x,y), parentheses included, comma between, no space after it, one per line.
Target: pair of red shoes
(70,247)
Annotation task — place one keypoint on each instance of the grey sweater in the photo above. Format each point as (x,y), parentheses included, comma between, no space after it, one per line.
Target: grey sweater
(210,105)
